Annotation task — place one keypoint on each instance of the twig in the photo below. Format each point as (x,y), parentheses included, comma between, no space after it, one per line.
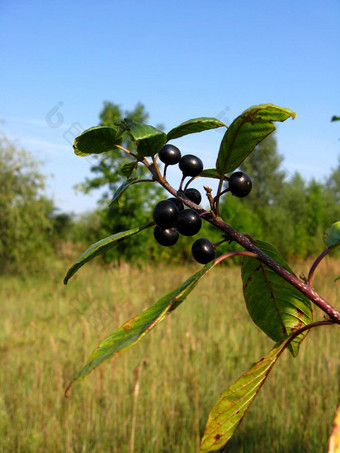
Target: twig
(130,153)
(155,166)
(316,263)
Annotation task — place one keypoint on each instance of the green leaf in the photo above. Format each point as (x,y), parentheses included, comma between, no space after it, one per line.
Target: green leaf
(96,140)
(332,235)
(152,145)
(335,118)
(232,406)
(125,124)
(140,131)
(149,139)
(100,247)
(275,306)
(128,169)
(193,126)
(245,132)
(210,173)
(134,330)
(121,189)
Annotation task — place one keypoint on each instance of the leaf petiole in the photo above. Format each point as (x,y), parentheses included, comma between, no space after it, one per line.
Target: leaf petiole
(130,153)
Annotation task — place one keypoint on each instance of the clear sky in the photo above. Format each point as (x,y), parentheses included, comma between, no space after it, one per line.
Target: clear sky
(182,59)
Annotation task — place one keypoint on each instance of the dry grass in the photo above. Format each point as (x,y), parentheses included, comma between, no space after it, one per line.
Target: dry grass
(155,397)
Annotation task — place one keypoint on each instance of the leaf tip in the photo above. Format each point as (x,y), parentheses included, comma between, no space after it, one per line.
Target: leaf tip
(67,277)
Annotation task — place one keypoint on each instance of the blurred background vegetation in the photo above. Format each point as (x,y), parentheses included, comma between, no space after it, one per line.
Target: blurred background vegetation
(284,209)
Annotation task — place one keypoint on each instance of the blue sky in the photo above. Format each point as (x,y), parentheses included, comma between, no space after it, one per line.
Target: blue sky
(181,59)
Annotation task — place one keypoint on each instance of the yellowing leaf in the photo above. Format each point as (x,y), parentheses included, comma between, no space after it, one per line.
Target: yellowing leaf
(232,406)
(334,440)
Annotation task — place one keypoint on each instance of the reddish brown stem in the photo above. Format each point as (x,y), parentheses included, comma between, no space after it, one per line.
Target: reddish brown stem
(238,253)
(164,173)
(222,193)
(316,263)
(155,166)
(127,151)
(218,222)
(292,279)
(181,183)
(188,183)
(217,198)
(246,235)
(304,328)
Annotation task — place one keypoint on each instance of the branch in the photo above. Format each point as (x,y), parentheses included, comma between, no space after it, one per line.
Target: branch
(218,222)
(304,288)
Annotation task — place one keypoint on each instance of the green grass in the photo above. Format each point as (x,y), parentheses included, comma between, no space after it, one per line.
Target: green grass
(155,397)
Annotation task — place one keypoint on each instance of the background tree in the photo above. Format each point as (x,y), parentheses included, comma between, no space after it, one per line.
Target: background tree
(264,166)
(26,214)
(333,184)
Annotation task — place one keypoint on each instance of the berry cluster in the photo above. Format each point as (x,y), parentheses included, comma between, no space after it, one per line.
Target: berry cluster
(170,216)
(172,219)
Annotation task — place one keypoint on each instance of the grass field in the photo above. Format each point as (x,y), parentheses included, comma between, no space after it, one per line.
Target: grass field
(155,397)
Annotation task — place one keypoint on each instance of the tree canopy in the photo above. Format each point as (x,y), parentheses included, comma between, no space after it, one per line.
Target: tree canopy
(26,213)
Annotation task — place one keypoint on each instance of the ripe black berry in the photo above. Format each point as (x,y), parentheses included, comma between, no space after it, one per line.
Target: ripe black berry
(177,202)
(240,184)
(167,237)
(188,222)
(169,154)
(165,213)
(203,250)
(191,165)
(193,195)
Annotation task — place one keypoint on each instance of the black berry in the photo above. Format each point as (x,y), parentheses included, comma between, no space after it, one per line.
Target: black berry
(169,155)
(193,195)
(191,165)
(240,184)
(203,250)
(177,202)
(165,213)
(167,237)
(188,222)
